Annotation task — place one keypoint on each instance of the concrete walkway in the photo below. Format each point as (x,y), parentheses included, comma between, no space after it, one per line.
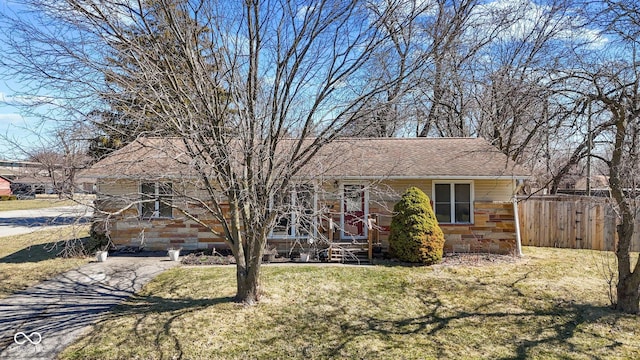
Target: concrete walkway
(63,308)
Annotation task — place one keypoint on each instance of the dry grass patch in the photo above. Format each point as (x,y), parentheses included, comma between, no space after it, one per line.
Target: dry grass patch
(523,309)
(30,258)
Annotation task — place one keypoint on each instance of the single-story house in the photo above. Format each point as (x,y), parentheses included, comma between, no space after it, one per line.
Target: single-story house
(599,185)
(31,185)
(470,183)
(5,186)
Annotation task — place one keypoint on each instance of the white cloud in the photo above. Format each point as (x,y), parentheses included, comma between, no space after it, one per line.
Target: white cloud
(303,11)
(526,17)
(11,118)
(117,12)
(28,100)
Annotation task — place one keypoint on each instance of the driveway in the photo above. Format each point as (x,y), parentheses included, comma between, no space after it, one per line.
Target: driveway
(16,222)
(56,312)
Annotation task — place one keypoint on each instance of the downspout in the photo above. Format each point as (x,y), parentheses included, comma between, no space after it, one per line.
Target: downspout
(520,183)
(517,220)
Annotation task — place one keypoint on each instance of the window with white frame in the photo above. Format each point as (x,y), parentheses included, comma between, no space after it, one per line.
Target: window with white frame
(156,200)
(453,202)
(296,218)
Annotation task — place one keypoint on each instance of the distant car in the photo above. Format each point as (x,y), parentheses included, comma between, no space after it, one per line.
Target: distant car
(25,196)
(26,191)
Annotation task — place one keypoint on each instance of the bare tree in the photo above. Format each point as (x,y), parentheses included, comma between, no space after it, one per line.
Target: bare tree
(607,84)
(61,155)
(432,47)
(264,72)
(614,88)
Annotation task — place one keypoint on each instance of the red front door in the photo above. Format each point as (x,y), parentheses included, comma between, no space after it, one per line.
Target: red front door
(353,207)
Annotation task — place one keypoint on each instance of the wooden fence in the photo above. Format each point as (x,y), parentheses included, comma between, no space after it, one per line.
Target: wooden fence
(570,222)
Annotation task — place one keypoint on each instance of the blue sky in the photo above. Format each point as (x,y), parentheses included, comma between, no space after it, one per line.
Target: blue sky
(12,124)
(15,126)
(24,129)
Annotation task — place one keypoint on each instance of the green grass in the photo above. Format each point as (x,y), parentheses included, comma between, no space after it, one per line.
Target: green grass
(34,204)
(553,304)
(30,258)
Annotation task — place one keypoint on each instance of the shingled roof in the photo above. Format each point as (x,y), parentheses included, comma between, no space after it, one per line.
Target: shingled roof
(365,158)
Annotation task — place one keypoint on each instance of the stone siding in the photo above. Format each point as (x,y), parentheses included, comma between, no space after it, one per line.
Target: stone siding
(493,230)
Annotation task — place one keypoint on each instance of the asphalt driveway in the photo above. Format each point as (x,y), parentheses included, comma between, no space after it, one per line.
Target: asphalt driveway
(54,313)
(17,222)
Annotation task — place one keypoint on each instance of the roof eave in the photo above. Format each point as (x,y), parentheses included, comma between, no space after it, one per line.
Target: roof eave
(433,177)
(367,177)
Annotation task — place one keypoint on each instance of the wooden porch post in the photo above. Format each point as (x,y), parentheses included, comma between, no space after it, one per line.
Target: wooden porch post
(370,222)
(330,238)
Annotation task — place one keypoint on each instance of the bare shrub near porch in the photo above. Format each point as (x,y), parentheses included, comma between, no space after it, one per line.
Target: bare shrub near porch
(415,234)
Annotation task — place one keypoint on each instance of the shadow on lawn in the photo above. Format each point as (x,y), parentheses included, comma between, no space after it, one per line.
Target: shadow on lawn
(34,253)
(531,330)
(567,319)
(545,330)
(145,307)
(41,252)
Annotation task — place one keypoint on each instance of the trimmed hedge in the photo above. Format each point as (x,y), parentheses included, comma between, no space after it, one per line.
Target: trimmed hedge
(8,197)
(415,234)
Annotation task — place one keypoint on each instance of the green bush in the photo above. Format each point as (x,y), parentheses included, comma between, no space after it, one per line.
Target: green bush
(415,234)
(8,197)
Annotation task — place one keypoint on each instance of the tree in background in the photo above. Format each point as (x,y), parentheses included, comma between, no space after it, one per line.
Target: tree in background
(121,123)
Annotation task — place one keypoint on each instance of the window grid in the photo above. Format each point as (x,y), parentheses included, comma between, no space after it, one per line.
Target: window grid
(297,220)
(453,202)
(156,200)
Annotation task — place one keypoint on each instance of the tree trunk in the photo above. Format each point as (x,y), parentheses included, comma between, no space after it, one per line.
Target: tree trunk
(628,294)
(248,277)
(628,297)
(247,255)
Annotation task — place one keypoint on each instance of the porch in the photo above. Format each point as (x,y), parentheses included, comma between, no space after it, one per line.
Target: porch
(330,244)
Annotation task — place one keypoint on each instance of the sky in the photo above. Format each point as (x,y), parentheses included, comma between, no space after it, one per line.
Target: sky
(13,125)
(24,129)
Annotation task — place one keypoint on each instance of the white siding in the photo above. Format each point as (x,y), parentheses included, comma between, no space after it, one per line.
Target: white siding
(493,190)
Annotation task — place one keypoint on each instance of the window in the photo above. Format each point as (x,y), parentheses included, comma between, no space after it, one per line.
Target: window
(156,200)
(297,215)
(453,202)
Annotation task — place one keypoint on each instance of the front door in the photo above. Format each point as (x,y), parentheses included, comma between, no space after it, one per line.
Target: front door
(354,212)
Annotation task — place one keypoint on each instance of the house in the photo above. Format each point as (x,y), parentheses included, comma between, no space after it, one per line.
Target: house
(5,186)
(598,184)
(31,185)
(470,183)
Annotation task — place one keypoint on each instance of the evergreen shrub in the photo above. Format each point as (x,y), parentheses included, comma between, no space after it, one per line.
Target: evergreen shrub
(415,234)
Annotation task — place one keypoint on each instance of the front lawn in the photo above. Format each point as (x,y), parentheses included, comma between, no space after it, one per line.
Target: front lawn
(30,258)
(552,304)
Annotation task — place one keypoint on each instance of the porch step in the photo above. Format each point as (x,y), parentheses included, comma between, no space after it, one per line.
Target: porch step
(347,255)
